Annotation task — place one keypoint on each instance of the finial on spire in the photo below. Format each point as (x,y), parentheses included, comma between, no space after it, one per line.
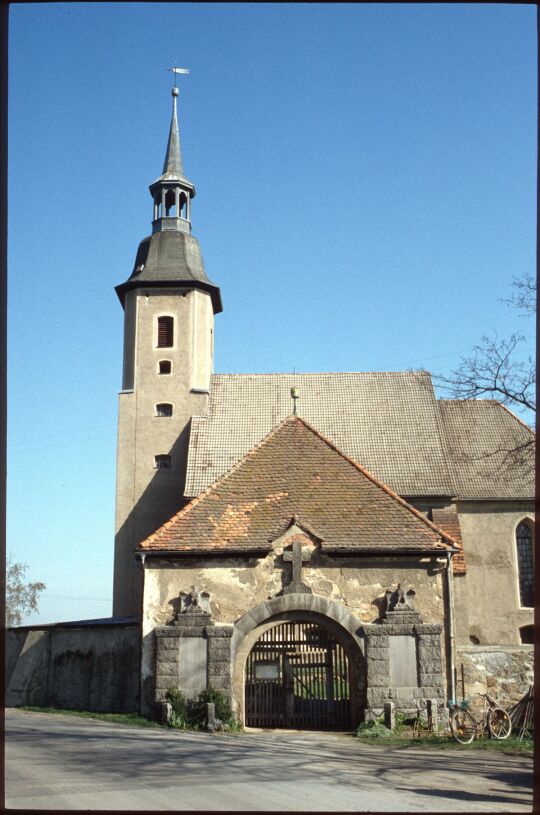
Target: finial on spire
(295,396)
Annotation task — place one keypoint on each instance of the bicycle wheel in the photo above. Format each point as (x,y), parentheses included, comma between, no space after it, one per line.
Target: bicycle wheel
(499,723)
(463,726)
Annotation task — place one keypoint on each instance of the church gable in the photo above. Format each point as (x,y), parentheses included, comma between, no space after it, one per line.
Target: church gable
(296,475)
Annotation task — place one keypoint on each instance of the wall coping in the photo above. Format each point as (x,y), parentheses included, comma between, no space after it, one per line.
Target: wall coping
(482,649)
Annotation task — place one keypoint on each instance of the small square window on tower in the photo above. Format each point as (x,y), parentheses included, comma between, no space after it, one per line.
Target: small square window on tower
(162,462)
(165,335)
(164,409)
(164,366)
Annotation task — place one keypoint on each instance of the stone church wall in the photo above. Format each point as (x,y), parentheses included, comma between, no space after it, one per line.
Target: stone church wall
(237,585)
(487,605)
(505,672)
(91,667)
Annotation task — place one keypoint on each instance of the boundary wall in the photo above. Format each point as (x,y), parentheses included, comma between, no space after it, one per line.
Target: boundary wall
(89,665)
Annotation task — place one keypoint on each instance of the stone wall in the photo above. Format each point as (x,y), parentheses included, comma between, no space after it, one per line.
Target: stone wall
(505,672)
(239,584)
(76,667)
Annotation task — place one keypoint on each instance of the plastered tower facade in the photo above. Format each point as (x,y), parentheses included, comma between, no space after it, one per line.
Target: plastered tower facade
(169,305)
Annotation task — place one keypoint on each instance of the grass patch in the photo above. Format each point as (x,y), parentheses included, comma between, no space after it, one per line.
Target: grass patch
(446,742)
(131,719)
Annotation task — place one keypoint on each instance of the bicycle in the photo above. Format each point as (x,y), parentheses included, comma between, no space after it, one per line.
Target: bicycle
(465,726)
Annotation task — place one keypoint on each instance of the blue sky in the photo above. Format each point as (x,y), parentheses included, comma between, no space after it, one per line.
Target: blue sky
(366,190)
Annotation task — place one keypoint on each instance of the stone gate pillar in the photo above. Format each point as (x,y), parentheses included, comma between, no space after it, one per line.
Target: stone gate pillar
(403,658)
(193,653)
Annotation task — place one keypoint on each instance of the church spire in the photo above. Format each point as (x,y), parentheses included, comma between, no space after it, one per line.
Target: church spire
(173,157)
(172,192)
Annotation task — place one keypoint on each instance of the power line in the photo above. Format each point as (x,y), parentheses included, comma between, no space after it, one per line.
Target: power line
(59,444)
(59,435)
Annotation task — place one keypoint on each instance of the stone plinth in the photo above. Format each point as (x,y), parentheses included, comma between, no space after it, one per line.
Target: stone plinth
(403,664)
(191,654)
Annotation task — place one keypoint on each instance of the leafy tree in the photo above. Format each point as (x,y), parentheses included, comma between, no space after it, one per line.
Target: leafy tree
(21,597)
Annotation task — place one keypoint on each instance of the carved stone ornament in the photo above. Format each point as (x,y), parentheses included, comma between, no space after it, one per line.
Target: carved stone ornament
(400,604)
(195,602)
(401,599)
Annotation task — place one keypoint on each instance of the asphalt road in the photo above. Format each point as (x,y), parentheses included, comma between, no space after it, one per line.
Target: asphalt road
(62,762)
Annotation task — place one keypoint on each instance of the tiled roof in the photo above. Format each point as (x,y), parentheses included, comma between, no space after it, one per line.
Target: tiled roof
(448,520)
(490,450)
(296,473)
(389,422)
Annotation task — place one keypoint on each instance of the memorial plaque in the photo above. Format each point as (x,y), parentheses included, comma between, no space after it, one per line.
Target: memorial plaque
(192,665)
(266,670)
(402,653)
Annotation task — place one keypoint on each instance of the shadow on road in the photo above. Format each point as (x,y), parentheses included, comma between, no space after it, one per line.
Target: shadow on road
(462,795)
(151,757)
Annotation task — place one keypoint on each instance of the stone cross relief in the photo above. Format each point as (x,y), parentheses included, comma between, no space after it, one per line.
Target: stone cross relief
(298,556)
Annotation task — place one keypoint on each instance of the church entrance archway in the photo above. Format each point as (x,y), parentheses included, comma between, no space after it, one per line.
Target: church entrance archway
(297,675)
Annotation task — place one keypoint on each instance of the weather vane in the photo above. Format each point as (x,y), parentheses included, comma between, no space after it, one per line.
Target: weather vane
(175,70)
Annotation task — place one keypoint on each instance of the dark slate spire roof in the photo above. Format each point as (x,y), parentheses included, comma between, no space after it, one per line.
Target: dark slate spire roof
(172,167)
(167,259)
(171,256)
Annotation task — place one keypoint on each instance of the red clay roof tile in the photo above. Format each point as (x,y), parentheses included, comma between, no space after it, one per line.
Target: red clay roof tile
(296,471)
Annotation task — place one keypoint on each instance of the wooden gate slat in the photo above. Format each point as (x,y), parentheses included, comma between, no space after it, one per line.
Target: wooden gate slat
(320,679)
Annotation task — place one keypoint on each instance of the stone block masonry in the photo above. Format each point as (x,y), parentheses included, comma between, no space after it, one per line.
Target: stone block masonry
(192,654)
(404,666)
(505,672)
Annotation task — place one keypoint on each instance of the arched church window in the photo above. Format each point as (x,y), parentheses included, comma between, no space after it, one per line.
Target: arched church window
(524,544)
(165,335)
(164,409)
(164,366)
(162,462)
(526,635)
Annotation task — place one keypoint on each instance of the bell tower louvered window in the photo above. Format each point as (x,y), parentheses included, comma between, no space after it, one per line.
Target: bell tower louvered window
(165,336)
(164,409)
(524,543)
(162,462)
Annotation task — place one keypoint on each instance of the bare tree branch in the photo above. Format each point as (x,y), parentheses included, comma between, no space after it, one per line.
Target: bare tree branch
(493,371)
(524,299)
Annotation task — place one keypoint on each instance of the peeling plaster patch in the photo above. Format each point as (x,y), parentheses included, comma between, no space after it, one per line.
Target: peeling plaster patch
(367,612)
(321,586)
(243,576)
(215,611)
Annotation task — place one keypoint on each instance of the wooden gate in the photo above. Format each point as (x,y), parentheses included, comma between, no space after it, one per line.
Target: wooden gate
(297,675)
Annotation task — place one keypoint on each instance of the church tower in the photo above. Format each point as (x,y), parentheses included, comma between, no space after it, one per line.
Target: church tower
(169,305)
